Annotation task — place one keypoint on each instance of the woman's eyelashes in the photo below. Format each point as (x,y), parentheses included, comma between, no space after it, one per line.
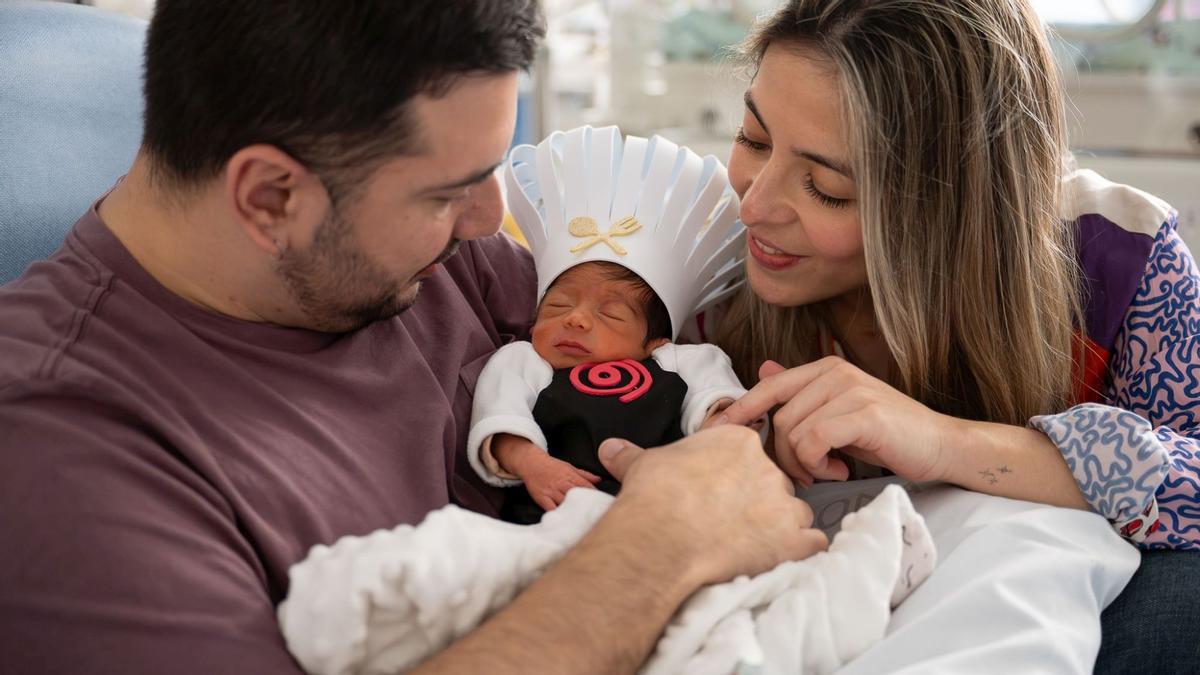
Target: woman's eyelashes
(741,139)
(821,197)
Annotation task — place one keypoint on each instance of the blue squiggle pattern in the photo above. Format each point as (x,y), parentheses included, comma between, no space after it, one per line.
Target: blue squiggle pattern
(1145,444)
(1156,374)
(1114,455)
(1158,377)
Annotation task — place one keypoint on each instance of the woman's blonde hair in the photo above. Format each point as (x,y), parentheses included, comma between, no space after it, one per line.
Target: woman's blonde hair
(955,120)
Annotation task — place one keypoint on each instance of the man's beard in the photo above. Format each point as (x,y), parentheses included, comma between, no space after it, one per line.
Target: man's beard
(338,287)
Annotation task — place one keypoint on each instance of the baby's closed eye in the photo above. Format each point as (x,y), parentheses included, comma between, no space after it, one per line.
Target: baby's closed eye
(617,312)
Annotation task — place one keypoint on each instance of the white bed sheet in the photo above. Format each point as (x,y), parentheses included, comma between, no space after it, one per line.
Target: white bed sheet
(1019,586)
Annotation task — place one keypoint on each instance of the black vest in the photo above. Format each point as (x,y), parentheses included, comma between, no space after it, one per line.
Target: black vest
(582,406)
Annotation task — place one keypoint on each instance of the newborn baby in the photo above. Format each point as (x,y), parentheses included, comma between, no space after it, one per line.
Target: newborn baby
(631,238)
(600,365)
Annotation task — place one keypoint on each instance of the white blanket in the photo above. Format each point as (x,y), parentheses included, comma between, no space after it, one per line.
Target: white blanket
(1019,586)
(385,602)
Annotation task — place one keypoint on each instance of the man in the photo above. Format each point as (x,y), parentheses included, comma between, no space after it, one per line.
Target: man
(262,339)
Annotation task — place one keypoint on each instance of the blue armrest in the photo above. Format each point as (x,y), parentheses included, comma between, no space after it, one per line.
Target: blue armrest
(70,119)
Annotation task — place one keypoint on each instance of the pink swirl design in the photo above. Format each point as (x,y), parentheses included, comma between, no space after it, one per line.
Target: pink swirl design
(604,379)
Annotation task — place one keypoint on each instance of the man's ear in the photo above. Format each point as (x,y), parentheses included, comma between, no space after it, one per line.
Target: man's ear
(273,198)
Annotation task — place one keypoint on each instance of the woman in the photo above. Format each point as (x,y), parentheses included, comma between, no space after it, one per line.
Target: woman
(952,300)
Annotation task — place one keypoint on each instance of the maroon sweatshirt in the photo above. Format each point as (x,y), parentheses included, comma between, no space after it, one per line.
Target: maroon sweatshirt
(161,466)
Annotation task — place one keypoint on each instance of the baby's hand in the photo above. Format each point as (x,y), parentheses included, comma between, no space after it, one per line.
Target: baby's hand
(547,479)
(713,417)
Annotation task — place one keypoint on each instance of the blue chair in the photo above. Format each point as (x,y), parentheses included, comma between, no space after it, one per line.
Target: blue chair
(70,119)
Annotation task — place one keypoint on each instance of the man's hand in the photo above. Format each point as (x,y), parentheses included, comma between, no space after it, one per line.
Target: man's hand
(715,499)
(699,511)
(547,479)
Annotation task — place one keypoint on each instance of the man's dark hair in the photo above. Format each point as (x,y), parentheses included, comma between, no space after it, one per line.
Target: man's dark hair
(658,319)
(325,81)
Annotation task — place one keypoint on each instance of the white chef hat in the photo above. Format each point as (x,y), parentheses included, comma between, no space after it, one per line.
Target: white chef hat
(651,206)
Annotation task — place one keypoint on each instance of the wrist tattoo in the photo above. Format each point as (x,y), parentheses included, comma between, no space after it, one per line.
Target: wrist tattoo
(990,476)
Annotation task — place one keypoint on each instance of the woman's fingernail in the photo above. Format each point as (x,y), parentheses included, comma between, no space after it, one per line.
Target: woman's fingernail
(609,448)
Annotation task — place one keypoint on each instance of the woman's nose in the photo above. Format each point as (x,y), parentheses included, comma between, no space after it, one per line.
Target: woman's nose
(764,202)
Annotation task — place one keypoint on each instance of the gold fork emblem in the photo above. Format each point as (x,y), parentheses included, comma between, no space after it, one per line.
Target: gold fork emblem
(585,226)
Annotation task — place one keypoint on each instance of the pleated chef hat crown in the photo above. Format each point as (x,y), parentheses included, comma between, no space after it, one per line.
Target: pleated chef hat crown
(651,206)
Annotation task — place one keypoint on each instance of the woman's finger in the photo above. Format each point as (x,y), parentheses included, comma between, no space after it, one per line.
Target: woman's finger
(822,466)
(817,394)
(836,424)
(839,382)
(788,461)
(776,389)
(803,478)
(769,369)
(781,455)
(855,429)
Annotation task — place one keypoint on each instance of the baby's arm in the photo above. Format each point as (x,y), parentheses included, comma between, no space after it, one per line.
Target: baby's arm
(712,384)
(505,445)
(547,479)
(505,395)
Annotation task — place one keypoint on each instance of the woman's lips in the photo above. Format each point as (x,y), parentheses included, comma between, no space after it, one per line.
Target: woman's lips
(770,257)
(572,348)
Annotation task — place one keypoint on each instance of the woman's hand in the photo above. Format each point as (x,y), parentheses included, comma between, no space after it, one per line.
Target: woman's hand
(833,405)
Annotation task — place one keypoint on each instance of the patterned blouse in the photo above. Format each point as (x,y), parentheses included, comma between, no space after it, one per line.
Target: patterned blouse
(1133,443)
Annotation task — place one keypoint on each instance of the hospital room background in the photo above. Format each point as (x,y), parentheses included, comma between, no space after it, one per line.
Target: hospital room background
(1131,68)
(1019,586)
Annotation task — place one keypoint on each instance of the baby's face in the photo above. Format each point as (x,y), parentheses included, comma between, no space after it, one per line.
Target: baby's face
(588,318)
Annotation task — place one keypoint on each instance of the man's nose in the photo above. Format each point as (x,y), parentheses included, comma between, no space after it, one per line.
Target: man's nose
(484,214)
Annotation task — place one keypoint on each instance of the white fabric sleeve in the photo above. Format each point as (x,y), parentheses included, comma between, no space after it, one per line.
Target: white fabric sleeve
(505,395)
(708,374)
